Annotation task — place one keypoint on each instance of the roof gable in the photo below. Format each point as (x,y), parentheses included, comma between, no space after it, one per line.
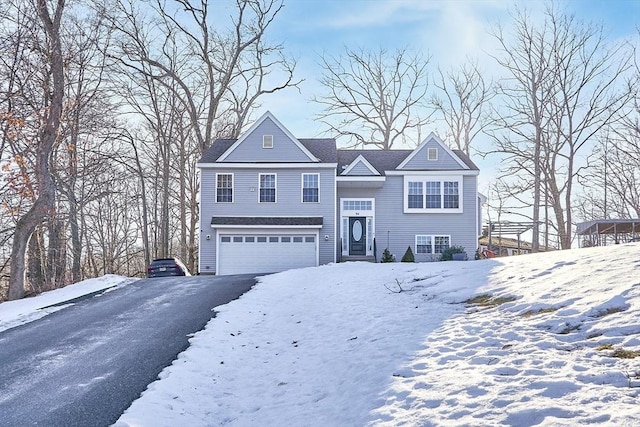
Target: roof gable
(360,167)
(446,159)
(380,160)
(285,147)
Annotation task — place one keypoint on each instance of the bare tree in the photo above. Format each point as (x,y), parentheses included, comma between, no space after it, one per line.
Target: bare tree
(374,98)
(592,91)
(519,125)
(565,86)
(42,208)
(190,80)
(463,102)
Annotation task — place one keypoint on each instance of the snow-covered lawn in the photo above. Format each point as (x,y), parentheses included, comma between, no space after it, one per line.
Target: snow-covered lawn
(395,344)
(14,313)
(359,344)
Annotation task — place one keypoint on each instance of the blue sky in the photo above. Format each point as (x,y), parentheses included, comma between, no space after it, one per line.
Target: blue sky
(449,31)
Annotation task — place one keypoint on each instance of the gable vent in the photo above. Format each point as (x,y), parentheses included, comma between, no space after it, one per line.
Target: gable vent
(432,154)
(267,141)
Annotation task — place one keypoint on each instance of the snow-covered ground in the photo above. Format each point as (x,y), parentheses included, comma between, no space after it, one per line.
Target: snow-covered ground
(359,344)
(14,313)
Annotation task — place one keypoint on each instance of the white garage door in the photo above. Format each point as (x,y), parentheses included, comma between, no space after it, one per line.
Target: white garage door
(260,253)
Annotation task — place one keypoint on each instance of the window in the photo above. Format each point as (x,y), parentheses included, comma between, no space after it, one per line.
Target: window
(309,239)
(432,244)
(432,194)
(285,239)
(297,239)
(423,245)
(249,239)
(357,205)
(224,188)
(237,239)
(310,187)
(267,141)
(225,239)
(451,198)
(273,239)
(262,239)
(267,188)
(440,244)
(415,195)
(432,154)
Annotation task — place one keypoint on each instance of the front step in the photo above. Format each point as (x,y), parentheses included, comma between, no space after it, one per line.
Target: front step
(354,258)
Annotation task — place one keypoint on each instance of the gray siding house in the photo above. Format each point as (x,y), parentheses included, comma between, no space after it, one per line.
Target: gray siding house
(270,201)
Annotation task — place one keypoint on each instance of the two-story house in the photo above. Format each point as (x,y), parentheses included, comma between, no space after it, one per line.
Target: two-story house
(270,201)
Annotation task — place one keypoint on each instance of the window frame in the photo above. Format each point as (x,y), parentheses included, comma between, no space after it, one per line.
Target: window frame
(428,199)
(222,188)
(430,243)
(275,188)
(317,188)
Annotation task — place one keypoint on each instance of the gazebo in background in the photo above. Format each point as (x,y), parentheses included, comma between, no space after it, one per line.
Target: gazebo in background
(606,231)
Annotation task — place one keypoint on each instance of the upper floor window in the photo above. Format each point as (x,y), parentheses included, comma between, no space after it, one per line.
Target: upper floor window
(267,188)
(224,188)
(267,141)
(424,194)
(432,154)
(433,195)
(415,195)
(310,187)
(451,197)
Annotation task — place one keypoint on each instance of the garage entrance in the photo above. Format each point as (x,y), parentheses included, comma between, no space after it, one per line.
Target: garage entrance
(266,253)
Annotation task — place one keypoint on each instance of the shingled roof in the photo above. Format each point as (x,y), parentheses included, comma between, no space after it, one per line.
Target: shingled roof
(382,160)
(325,150)
(273,221)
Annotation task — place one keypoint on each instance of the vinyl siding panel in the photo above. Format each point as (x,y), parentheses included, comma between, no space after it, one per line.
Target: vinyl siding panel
(392,225)
(245,203)
(420,161)
(284,148)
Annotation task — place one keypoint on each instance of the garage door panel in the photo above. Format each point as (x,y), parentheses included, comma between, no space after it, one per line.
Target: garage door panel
(254,253)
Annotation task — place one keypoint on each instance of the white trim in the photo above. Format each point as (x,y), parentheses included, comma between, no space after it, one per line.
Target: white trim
(365,162)
(261,227)
(302,187)
(265,140)
(433,137)
(336,227)
(361,178)
(454,172)
(199,194)
(433,243)
(367,214)
(275,186)
(268,216)
(255,125)
(255,165)
(233,183)
(424,180)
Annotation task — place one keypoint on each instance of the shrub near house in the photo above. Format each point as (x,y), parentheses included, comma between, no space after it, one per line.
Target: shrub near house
(271,201)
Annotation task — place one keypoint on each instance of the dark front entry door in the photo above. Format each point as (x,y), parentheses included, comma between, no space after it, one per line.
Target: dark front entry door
(357,236)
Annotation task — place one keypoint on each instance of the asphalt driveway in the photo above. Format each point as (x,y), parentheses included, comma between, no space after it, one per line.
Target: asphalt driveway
(85,364)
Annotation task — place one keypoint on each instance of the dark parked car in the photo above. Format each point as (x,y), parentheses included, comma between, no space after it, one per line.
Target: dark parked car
(167,267)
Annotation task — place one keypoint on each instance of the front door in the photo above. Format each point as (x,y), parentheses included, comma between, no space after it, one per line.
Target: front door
(357,236)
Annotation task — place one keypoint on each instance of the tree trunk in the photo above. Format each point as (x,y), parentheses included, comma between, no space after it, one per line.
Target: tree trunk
(45,203)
